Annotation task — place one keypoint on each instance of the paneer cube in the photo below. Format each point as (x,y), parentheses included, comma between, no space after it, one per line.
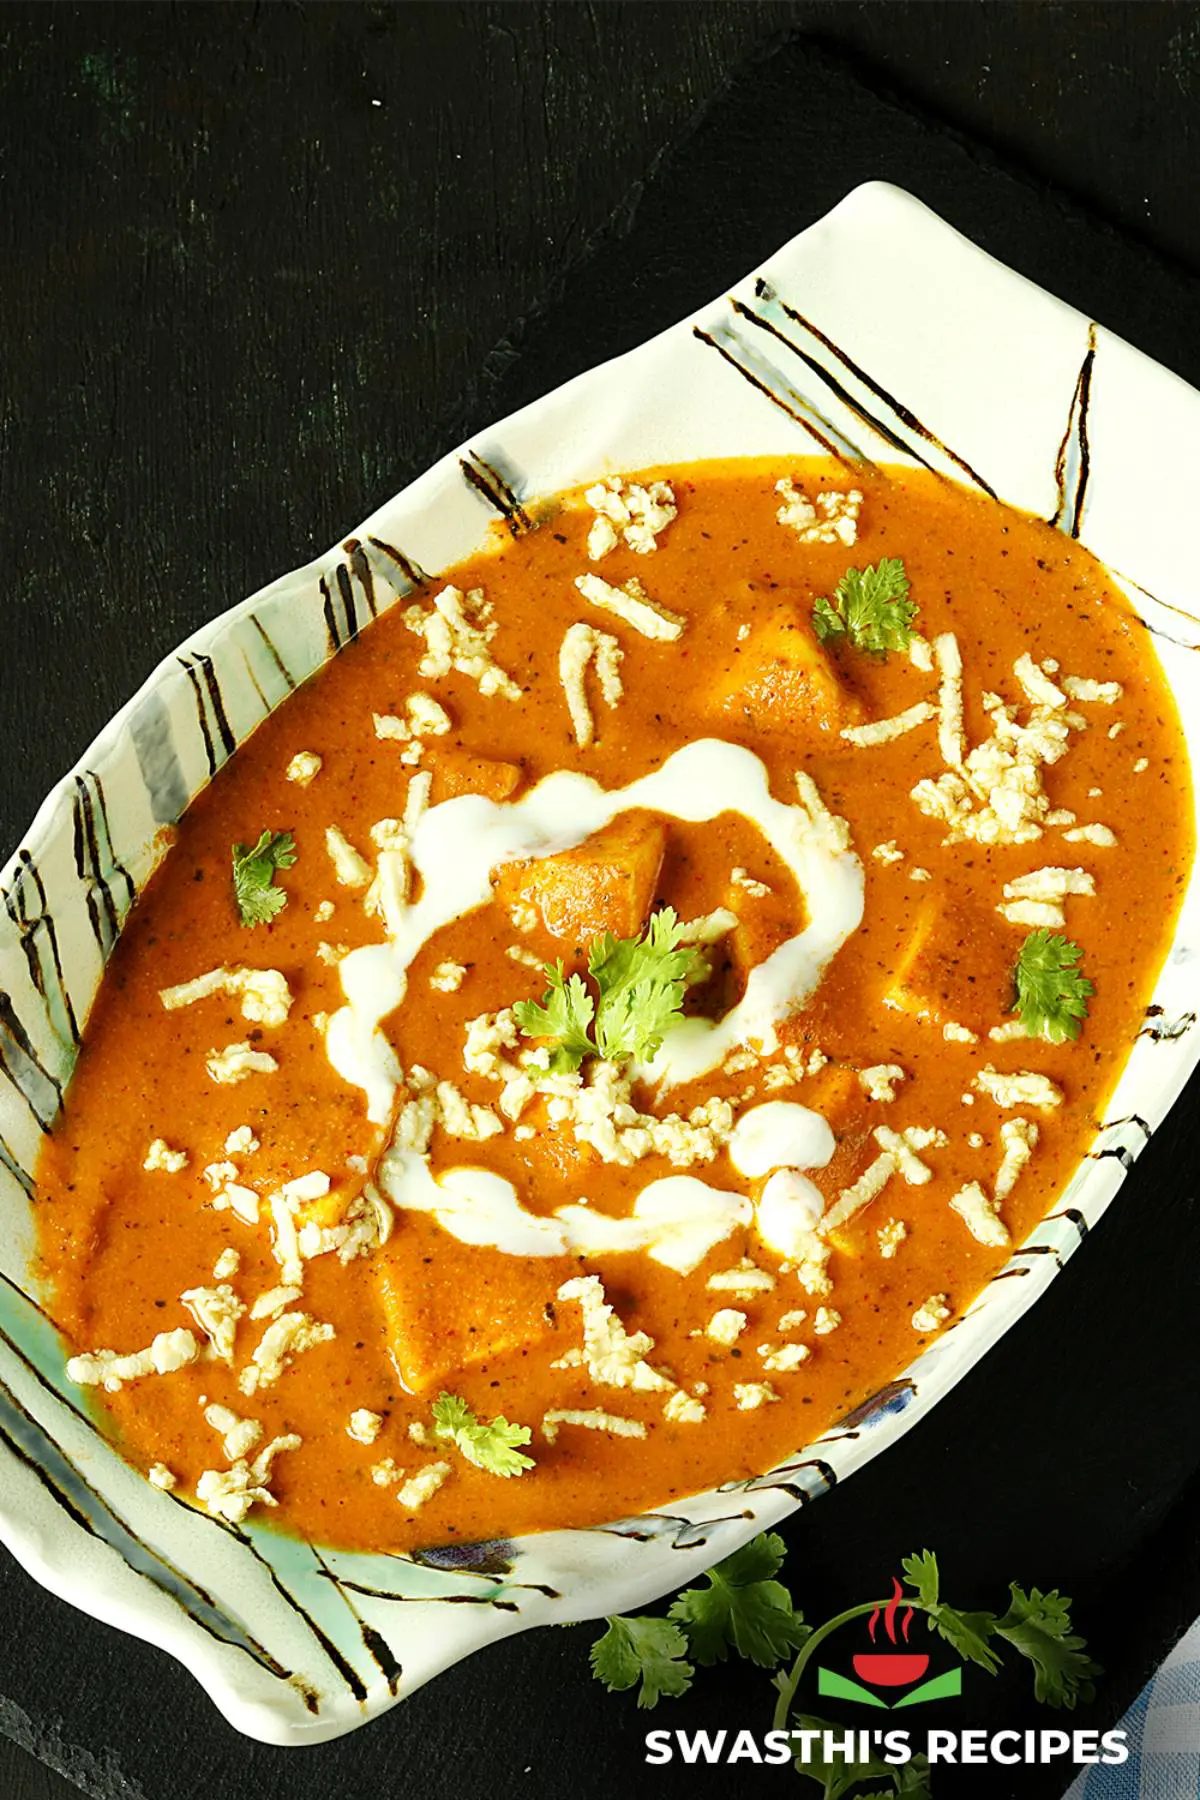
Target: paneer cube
(449,1306)
(328,1211)
(763,923)
(607,883)
(783,680)
(458,772)
(553,1161)
(836,1093)
(956,966)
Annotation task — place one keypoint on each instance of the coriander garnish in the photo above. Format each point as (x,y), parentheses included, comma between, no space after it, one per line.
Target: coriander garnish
(640,984)
(1052,994)
(258,899)
(492,1448)
(871,607)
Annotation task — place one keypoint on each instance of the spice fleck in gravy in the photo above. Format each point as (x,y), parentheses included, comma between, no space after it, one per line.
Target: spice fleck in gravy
(287,1208)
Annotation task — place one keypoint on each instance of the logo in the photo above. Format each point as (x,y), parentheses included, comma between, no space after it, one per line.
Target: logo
(898,1667)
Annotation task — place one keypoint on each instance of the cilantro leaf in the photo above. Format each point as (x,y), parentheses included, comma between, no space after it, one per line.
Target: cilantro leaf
(742,1608)
(258,900)
(1039,1626)
(871,606)
(492,1448)
(967,1633)
(1052,994)
(649,1651)
(451,1414)
(827,620)
(912,1779)
(641,983)
(921,1571)
(836,1774)
(564,1015)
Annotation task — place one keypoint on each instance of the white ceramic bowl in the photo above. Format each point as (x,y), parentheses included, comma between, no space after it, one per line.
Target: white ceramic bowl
(954,362)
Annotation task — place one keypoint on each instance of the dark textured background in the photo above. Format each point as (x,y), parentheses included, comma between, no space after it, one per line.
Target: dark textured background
(253,260)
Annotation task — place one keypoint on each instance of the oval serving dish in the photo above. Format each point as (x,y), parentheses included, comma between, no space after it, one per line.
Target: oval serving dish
(958,365)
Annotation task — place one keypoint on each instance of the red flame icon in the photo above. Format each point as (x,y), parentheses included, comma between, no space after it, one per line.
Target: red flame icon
(891,1668)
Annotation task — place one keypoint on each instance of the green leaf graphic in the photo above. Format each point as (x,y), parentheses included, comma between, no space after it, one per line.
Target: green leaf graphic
(841,1687)
(938,1687)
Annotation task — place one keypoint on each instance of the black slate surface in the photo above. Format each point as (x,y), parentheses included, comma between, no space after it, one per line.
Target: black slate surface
(1069,1457)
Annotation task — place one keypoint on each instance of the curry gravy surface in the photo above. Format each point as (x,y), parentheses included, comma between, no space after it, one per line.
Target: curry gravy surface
(120,1244)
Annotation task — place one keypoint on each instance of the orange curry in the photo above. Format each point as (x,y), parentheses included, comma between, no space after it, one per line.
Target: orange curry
(910,1029)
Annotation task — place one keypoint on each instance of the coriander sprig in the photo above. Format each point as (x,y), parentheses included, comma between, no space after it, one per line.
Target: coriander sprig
(745,1609)
(1052,992)
(491,1447)
(644,1653)
(871,607)
(640,984)
(258,899)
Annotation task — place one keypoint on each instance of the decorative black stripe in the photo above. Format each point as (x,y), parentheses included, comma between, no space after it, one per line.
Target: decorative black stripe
(36,1306)
(776,400)
(684,1534)
(1129,1119)
(373,1593)
(487,481)
(363,573)
(345,630)
(903,413)
(331,628)
(19,1061)
(309,1695)
(213,684)
(56,1494)
(412,572)
(1076,1218)
(827,1474)
(1120,1152)
(1072,465)
(9,1161)
(376,1646)
(273,652)
(201,714)
(199,668)
(1181,612)
(95,862)
(1166,636)
(254,681)
(345,1669)
(35,927)
(346,590)
(1161,1030)
(835,387)
(381,1650)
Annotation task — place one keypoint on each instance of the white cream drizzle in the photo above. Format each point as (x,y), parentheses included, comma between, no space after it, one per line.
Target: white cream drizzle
(779,1134)
(676,1220)
(456,846)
